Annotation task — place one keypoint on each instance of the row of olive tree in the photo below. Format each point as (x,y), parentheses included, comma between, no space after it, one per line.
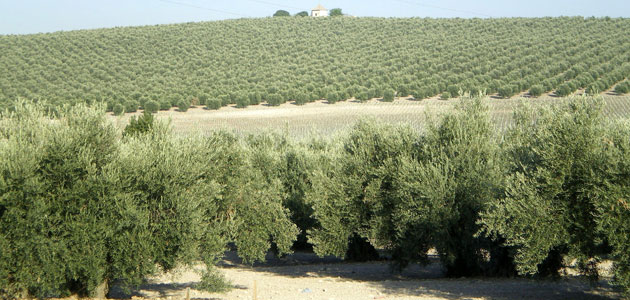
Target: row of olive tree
(335,12)
(566,192)
(81,205)
(408,193)
(555,186)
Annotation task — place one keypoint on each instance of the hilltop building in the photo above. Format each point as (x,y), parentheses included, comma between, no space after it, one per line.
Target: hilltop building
(319,11)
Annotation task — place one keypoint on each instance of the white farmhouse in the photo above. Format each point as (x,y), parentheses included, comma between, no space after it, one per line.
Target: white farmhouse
(319,11)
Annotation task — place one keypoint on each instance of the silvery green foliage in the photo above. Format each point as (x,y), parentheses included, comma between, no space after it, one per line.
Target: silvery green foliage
(350,191)
(566,168)
(169,178)
(286,165)
(80,206)
(460,171)
(409,192)
(613,209)
(59,219)
(253,197)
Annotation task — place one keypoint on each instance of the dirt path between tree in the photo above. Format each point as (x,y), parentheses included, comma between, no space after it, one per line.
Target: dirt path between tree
(302,276)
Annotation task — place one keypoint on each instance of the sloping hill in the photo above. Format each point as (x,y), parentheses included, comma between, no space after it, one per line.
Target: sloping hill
(304,59)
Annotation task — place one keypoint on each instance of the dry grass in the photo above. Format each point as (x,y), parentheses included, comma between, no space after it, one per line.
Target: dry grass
(325,119)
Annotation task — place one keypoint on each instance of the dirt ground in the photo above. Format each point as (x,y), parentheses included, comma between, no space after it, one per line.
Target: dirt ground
(304,276)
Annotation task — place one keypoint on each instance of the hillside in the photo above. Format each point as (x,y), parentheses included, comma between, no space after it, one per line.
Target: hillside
(280,59)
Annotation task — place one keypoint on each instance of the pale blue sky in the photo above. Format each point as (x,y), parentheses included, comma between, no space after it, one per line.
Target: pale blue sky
(32,16)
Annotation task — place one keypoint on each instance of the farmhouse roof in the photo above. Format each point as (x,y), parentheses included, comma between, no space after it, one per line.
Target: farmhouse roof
(319,7)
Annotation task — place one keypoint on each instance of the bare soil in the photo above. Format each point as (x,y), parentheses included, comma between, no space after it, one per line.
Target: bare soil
(304,276)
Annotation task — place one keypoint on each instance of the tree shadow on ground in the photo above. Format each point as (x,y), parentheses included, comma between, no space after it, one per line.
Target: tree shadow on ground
(414,281)
(498,288)
(161,290)
(305,264)
(232,260)
(429,281)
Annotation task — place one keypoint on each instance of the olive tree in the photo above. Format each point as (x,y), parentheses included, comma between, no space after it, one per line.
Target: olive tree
(118,109)
(559,158)
(408,193)
(507,91)
(336,12)
(151,106)
(622,88)
(79,207)
(242,101)
(613,207)
(183,105)
(351,187)
(388,96)
(460,170)
(213,104)
(536,90)
(281,13)
(65,229)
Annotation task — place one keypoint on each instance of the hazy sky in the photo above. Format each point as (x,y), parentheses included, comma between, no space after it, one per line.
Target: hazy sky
(32,16)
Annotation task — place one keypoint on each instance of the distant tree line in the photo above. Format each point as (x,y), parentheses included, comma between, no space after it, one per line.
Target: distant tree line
(335,12)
